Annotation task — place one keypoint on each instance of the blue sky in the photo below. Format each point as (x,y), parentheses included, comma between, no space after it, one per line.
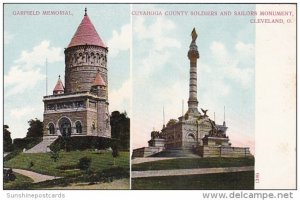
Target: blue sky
(225,68)
(29,40)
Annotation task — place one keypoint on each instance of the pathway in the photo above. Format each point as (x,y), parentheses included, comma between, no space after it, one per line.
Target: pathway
(180,172)
(36,177)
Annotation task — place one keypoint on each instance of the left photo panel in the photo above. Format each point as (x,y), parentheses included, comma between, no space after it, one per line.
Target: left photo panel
(66,96)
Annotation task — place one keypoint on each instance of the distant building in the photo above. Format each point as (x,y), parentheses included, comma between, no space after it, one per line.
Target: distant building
(80,108)
(194,131)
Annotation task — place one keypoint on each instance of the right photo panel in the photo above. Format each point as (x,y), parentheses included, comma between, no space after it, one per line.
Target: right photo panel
(209,82)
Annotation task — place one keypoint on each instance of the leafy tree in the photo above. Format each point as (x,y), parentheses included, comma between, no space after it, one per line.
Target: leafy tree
(54,154)
(35,128)
(115,151)
(7,141)
(120,128)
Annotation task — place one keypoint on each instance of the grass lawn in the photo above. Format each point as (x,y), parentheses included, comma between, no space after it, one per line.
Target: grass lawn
(225,181)
(190,163)
(21,182)
(42,162)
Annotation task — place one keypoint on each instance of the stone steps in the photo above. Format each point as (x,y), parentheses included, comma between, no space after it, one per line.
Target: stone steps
(176,153)
(43,146)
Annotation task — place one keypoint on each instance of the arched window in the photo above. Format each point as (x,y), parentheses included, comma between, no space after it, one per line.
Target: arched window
(78,127)
(51,129)
(65,127)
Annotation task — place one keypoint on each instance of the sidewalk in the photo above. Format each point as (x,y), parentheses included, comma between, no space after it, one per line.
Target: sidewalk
(36,177)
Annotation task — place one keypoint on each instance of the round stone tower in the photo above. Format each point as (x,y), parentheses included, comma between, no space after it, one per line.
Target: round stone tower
(85,56)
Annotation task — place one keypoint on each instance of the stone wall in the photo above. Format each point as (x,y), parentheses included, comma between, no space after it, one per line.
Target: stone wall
(72,116)
(82,65)
(216,151)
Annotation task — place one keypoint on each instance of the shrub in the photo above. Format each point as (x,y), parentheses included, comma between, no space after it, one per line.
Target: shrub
(8,175)
(82,143)
(31,164)
(84,163)
(67,167)
(26,143)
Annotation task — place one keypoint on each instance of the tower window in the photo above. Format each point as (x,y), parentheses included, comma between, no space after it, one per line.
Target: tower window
(78,127)
(51,128)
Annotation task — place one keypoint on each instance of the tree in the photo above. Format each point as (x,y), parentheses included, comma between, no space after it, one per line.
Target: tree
(120,128)
(115,151)
(7,141)
(35,128)
(54,152)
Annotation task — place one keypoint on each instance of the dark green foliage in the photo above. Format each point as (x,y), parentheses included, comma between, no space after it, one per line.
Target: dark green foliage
(120,129)
(221,181)
(190,163)
(26,143)
(84,163)
(54,154)
(35,128)
(20,182)
(67,167)
(8,175)
(81,143)
(7,141)
(12,155)
(115,149)
(31,164)
(106,175)
(33,137)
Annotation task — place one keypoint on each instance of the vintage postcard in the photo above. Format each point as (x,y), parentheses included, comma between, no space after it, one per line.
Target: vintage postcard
(63,65)
(219,79)
(149,96)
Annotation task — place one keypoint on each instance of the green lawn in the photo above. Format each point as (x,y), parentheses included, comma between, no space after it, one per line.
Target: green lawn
(42,162)
(190,163)
(21,182)
(225,181)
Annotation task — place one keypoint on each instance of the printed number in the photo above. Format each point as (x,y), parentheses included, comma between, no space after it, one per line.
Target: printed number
(256,177)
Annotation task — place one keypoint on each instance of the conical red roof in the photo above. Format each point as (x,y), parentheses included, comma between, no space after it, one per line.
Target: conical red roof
(86,34)
(99,80)
(59,87)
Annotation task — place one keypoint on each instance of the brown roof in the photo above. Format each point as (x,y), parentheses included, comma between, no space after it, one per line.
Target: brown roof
(59,86)
(99,80)
(86,34)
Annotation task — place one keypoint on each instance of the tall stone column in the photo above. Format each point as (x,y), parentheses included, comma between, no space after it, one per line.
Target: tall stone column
(193,55)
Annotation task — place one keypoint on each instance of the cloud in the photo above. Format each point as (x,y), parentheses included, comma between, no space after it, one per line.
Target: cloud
(20,112)
(39,54)
(235,66)
(26,72)
(18,80)
(8,37)
(120,41)
(119,98)
(158,32)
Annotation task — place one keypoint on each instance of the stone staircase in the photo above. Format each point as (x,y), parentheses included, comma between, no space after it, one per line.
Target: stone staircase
(178,152)
(43,146)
